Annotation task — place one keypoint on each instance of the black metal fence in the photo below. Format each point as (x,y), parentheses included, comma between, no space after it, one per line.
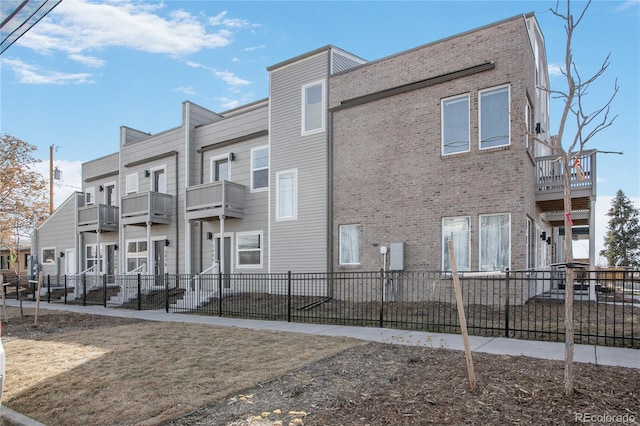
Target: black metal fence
(520,304)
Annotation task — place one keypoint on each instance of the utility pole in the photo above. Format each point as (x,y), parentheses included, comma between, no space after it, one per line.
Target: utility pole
(51,180)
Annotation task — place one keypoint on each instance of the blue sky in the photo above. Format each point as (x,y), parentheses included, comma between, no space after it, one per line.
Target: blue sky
(90,67)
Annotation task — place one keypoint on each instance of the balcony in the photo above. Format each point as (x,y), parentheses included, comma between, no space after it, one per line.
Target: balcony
(550,188)
(146,208)
(98,218)
(209,201)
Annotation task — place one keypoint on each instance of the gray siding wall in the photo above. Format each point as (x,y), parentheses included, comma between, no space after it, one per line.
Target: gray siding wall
(256,203)
(298,245)
(141,153)
(388,172)
(58,232)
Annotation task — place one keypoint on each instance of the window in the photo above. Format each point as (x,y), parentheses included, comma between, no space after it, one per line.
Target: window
(132,183)
(313,108)
(455,125)
(4,262)
(495,242)
(137,256)
(89,196)
(286,194)
(259,168)
(494,117)
(110,194)
(221,170)
(456,229)
(249,249)
(159,181)
(349,244)
(48,255)
(90,256)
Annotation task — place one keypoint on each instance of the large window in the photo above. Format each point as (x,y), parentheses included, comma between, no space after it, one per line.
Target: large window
(455,125)
(494,117)
(495,242)
(259,168)
(313,107)
(349,244)
(137,256)
(456,229)
(249,249)
(286,195)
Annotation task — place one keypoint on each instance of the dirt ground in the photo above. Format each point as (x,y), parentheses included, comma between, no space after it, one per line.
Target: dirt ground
(284,382)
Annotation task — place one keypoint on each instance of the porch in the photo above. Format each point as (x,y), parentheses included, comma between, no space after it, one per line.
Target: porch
(147,207)
(209,201)
(98,218)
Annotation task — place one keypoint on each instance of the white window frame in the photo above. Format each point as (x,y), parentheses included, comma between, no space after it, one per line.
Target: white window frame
(95,260)
(508,115)
(257,169)
(294,215)
(239,236)
(106,186)
(480,238)
(128,256)
(42,256)
(132,183)
(305,132)
(446,266)
(89,195)
(452,100)
(353,228)
(212,167)
(152,176)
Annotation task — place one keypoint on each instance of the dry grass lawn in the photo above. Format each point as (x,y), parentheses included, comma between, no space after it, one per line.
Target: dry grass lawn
(137,372)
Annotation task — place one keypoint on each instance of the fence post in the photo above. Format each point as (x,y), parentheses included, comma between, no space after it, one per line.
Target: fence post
(65,289)
(84,289)
(219,293)
(104,290)
(166,292)
(506,304)
(48,288)
(289,296)
(139,292)
(382,284)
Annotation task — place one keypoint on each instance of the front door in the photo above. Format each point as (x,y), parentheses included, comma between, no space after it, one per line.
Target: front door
(227,259)
(110,262)
(158,261)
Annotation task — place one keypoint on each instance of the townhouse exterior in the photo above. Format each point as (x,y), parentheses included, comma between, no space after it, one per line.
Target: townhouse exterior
(348,165)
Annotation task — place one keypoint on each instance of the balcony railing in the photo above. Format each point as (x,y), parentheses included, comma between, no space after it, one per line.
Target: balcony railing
(215,199)
(146,207)
(549,171)
(98,218)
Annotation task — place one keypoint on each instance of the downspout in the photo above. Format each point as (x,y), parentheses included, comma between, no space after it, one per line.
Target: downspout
(329,178)
(177,246)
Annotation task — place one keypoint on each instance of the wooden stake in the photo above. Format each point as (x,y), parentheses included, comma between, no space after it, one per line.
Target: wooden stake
(461,316)
(4,301)
(35,319)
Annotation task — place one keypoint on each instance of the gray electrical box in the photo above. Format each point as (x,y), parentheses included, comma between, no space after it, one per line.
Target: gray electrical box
(396,260)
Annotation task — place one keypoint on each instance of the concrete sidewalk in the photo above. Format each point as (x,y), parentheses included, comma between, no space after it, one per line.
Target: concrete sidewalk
(600,355)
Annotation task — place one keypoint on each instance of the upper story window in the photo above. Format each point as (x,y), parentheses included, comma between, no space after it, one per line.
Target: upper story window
(159,181)
(220,168)
(456,229)
(110,198)
(90,196)
(286,195)
(455,125)
(494,117)
(259,168)
(132,183)
(48,255)
(313,107)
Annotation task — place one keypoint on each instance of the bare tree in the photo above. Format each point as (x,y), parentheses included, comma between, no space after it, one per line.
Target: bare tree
(569,150)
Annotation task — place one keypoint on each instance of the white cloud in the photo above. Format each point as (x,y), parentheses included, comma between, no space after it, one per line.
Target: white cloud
(188,90)
(252,48)
(555,70)
(29,74)
(90,61)
(78,26)
(227,76)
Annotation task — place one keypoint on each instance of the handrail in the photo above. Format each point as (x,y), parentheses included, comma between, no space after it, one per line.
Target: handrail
(90,268)
(209,269)
(138,269)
